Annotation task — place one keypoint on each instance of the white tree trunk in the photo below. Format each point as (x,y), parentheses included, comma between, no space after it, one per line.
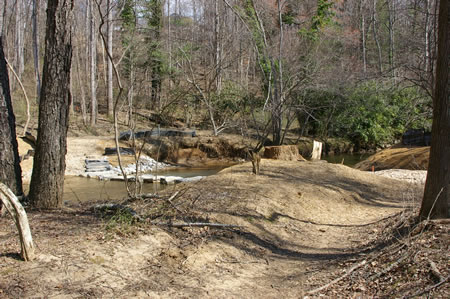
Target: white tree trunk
(36,47)
(93,63)
(218,56)
(19,46)
(19,216)
(109,65)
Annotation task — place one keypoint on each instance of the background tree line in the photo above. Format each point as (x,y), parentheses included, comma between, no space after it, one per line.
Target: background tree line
(358,69)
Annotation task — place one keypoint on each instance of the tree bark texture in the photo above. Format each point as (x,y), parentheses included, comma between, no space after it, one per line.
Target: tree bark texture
(47,180)
(10,172)
(437,186)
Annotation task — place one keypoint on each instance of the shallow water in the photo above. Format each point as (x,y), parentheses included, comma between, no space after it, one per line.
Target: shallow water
(349,159)
(80,189)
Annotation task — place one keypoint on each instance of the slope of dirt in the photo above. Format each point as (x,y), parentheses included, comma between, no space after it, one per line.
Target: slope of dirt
(293,223)
(397,157)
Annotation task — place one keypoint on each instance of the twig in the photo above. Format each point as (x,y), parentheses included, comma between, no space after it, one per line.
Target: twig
(429,288)
(195,224)
(434,270)
(347,273)
(389,268)
(237,262)
(169,200)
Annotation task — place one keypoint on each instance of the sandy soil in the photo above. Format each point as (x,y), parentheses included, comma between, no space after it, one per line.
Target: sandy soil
(78,149)
(297,226)
(295,220)
(398,157)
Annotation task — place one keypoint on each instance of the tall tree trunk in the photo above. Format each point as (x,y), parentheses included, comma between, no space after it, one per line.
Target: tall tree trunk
(363,35)
(427,36)
(10,172)
(110,27)
(218,56)
(82,90)
(2,13)
(437,187)
(19,43)
(391,6)
(93,64)
(36,47)
(47,180)
(277,103)
(169,43)
(155,24)
(375,35)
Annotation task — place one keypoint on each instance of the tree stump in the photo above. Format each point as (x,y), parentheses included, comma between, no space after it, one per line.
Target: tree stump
(283,152)
(317,150)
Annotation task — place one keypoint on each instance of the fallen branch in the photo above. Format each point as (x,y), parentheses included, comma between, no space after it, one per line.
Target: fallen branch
(347,273)
(195,224)
(389,268)
(19,216)
(434,271)
(429,288)
(169,200)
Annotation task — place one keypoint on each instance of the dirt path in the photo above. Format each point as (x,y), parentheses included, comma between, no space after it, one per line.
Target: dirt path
(296,220)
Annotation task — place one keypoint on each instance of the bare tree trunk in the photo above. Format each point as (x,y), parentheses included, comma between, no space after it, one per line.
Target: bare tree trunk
(363,36)
(82,90)
(169,43)
(17,212)
(10,172)
(427,49)
(391,6)
(1,17)
(93,64)
(110,27)
(19,45)
(36,47)
(375,35)
(47,180)
(437,187)
(277,104)
(218,56)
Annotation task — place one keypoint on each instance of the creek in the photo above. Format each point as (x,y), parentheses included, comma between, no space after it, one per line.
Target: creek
(349,159)
(80,189)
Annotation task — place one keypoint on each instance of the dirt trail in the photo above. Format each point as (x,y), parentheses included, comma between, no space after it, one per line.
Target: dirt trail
(296,219)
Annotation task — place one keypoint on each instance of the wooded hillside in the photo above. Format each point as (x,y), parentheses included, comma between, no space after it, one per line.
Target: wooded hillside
(358,69)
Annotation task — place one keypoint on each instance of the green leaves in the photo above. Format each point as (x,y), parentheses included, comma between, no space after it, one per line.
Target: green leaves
(370,115)
(323,17)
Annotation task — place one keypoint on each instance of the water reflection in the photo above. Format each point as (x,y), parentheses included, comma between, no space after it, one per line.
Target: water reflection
(79,189)
(349,159)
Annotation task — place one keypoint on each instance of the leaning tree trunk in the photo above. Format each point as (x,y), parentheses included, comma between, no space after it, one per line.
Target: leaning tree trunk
(47,180)
(10,172)
(19,216)
(437,187)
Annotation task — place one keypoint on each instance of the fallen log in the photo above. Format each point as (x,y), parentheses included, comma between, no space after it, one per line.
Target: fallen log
(13,206)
